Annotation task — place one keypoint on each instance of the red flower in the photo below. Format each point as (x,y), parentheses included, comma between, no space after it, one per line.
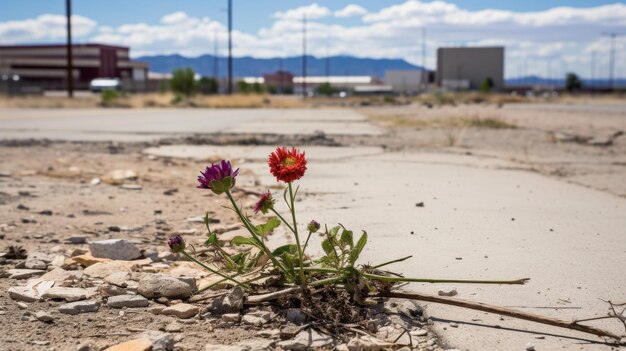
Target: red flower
(287,165)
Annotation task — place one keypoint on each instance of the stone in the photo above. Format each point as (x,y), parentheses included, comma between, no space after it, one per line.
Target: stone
(306,340)
(114,249)
(79,307)
(43,316)
(24,273)
(105,269)
(122,174)
(131,187)
(174,327)
(60,275)
(419,332)
(368,343)
(76,240)
(257,318)
(296,316)
(231,317)
(530,347)
(181,310)
(141,344)
(120,279)
(257,344)
(95,181)
(130,301)
(451,292)
(31,292)
(69,294)
(158,285)
(87,260)
(230,303)
(160,341)
(222,347)
(37,260)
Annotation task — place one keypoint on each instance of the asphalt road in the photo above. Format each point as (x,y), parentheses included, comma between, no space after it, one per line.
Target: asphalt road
(151,124)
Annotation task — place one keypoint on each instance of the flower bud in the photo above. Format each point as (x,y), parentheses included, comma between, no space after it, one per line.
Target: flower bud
(176,243)
(313,226)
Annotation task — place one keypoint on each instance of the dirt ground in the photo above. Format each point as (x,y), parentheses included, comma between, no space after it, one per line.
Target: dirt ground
(39,176)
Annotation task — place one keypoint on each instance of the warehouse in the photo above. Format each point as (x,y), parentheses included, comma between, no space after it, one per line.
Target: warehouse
(466,68)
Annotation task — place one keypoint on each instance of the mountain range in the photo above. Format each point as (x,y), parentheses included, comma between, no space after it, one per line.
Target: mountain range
(335,66)
(256,67)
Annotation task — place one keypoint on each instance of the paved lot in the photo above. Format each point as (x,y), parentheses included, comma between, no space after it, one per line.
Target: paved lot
(152,124)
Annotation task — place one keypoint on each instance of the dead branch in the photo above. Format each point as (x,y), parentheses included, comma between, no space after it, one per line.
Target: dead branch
(259,299)
(502,311)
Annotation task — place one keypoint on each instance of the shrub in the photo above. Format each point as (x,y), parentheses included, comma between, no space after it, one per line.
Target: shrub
(208,86)
(183,82)
(326,89)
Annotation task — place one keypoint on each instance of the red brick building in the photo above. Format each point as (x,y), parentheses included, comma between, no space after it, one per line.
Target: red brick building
(282,81)
(45,66)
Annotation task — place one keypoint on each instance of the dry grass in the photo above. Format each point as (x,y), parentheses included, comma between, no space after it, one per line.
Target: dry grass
(155,100)
(444,122)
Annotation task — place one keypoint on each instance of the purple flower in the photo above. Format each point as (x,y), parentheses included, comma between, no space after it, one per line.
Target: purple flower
(176,243)
(313,226)
(265,203)
(219,178)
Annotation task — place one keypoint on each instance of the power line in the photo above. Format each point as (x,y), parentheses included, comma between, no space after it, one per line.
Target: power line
(613,36)
(70,66)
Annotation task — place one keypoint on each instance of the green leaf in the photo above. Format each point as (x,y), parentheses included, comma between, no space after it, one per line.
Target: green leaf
(266,228)
(346,238)
(211,240)
(328,247)
(242,240)
(356,251)
(290,248)
(333,231)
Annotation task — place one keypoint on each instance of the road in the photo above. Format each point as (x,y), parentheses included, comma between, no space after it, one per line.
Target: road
(152,124)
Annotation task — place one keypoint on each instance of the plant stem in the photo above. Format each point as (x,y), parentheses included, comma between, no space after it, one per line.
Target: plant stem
(393,261)
(282,219)
(306,243)
(210,269)
(295,232)
(426,280)
(255,236)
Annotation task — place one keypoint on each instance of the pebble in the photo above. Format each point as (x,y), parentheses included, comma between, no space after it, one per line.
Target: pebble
(31,292)
(37,260)
(130,301)
(121,279)
(115,249)
(296,316)
(69,294)
(141,344)
(131,187)
(419,332)
(173,327)
(222,347)
(95,181)
(105,269)
(24,273)
(257,318)
(306,340)
(452,292)
(231,303)
(181,310)
(79,307)
(158,285)
(76,240)
(530,347)
(231,317)
(454,325)
(368,343)
(44,316)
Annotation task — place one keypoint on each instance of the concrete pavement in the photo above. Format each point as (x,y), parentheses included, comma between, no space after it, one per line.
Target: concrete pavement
(482,219)
(153,124)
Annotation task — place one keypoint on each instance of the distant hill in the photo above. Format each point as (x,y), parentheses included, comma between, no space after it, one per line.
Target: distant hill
(254,67)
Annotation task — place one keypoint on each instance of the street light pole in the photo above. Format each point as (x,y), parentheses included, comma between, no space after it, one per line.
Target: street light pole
(70,68)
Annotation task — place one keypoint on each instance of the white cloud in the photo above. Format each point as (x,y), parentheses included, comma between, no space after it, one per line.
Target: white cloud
(313,11)
(44,27)
(536,42)
(351,10)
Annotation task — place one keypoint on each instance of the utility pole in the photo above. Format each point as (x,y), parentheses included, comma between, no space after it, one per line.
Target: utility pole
(613,36)
(327,62)
(215,59)
(304,93)
(593,70)
(424,77)
(230,47)
(70,66)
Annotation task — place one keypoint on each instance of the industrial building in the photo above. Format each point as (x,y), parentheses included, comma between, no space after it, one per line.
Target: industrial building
(44,67)
(409,81)
(466,68)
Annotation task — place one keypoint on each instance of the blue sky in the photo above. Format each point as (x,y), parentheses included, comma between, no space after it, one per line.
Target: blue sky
(541,37)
